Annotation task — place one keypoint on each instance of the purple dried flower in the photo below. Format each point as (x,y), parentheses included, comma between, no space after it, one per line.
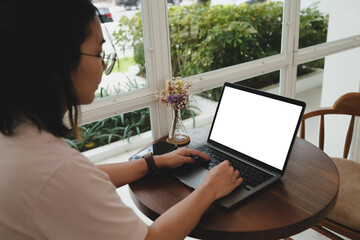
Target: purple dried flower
(174,98)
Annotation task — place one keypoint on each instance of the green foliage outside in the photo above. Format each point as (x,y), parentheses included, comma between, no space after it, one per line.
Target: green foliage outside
(206,38)
(111,129)
(130,35)
(313,27)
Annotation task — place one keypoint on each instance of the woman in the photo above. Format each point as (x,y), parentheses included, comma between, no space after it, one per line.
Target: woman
(51,64)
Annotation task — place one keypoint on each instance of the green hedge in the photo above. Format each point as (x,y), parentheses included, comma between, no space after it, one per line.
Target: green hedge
(205,38)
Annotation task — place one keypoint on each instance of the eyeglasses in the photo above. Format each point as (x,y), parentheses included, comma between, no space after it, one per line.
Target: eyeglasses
(107,59)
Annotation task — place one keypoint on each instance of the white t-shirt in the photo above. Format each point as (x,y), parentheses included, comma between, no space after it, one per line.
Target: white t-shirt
(51,191)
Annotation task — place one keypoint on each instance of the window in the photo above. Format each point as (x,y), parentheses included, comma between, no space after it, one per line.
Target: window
(124,127)
(172,44)
(120,28)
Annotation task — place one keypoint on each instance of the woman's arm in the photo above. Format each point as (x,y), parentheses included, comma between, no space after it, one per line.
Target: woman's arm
(126,172)
(178,221)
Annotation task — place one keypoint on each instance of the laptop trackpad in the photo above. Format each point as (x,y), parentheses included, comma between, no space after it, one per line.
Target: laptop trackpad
(192,176)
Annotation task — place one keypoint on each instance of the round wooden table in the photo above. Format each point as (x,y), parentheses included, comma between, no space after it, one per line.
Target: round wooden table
(304,196)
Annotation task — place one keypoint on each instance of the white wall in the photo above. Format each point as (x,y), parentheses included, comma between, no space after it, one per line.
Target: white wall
(342,70)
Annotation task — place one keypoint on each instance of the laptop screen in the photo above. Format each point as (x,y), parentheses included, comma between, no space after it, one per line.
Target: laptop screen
(256,125)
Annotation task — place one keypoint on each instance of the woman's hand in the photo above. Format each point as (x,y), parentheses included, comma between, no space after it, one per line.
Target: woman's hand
(178,157)
(221,180)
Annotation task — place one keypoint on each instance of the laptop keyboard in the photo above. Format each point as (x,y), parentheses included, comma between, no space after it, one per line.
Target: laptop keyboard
(251,176)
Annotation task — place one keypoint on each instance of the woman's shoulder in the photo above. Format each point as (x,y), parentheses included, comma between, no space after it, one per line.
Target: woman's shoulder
(32,152)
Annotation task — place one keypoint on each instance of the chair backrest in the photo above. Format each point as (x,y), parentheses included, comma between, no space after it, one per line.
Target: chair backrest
(348,104)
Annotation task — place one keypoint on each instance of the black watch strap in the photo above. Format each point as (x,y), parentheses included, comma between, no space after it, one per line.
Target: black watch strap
(153,169)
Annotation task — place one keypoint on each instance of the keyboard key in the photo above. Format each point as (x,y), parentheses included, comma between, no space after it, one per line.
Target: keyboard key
(251,176)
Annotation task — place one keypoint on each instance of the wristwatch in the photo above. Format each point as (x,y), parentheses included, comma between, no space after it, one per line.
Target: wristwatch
(153,169)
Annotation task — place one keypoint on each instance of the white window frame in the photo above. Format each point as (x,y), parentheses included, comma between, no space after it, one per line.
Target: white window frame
(158,66)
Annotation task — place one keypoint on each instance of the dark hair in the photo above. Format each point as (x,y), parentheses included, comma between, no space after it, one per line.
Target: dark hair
(39,47)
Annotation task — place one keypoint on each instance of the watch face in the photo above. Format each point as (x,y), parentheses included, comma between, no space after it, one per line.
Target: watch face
(148,155)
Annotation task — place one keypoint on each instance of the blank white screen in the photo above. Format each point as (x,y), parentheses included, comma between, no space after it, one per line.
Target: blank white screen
(257,126)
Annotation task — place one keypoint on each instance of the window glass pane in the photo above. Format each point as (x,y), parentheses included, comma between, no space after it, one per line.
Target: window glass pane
(321,88)
(325,21)
(268,82)
(308,89)
(309,83)
(206,37)
(113,129)
(123,25)
(205,103)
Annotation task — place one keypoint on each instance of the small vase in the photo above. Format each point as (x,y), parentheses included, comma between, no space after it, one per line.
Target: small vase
(178,134)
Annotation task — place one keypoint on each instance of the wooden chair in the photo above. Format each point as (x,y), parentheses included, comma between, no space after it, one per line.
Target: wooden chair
(345,217)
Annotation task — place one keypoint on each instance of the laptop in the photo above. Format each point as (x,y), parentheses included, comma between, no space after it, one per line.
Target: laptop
(253,129)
